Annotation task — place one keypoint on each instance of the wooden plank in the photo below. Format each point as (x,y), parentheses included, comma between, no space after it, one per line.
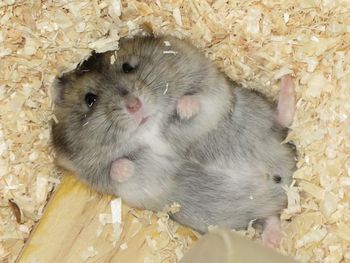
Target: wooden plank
(70,224)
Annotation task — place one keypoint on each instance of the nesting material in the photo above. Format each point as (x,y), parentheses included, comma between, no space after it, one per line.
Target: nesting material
(253,42)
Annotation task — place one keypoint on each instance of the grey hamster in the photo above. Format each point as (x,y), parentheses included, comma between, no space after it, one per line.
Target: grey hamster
(225,165)
(91,103)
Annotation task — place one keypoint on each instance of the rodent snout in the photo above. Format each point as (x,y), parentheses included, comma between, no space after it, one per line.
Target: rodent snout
(133,104)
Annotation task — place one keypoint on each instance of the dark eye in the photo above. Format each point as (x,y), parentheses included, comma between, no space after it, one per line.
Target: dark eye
(90,99)
(123,92)
(127,68)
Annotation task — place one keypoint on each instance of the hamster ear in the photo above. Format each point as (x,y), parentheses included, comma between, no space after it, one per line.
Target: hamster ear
(96,62)
(57,89)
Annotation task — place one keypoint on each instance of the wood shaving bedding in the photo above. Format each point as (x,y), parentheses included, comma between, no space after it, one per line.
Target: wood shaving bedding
(253,42)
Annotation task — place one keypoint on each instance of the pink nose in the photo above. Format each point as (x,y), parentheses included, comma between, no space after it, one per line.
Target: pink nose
(133,104)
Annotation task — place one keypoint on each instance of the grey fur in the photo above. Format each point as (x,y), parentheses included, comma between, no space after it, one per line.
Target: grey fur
(219,165)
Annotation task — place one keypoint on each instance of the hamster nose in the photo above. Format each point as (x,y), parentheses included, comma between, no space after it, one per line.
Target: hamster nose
(133,104)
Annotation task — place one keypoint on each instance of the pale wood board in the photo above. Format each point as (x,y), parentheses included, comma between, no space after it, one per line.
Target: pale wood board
(69,226)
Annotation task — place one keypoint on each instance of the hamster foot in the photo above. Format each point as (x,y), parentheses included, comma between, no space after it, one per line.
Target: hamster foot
(187,107)
(271,235)
(121,170)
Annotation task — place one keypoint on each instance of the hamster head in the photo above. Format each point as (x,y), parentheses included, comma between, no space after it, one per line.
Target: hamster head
(94,109)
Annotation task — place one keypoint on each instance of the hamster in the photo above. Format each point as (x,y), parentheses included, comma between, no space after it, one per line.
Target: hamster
(188,106)
(185,132)
(204,177)
(94,104)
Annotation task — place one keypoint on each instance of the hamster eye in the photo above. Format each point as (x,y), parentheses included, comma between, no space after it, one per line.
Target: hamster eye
(123,92)
(127,68)
(90,99)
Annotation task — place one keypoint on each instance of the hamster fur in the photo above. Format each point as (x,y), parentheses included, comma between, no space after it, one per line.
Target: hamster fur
(224,166)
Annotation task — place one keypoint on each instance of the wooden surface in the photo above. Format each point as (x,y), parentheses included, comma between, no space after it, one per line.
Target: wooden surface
(70,226)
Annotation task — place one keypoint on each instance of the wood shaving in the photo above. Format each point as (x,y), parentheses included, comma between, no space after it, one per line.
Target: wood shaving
(116,208)
(169,244)
(16,211)
(135,227)
(124,246)
(170,52)
(90,252)
(253,42)
(172,209)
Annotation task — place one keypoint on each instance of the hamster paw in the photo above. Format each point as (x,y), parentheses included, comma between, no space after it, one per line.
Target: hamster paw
(271,235)
(187,107)
(286,102)
(121,170)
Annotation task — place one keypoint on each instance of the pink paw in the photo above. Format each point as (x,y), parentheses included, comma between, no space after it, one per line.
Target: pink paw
(187,107)
(286,102)
(121,170)
(271,235)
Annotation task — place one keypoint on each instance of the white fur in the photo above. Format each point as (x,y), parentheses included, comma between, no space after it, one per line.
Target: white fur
(210,111)
(152,137)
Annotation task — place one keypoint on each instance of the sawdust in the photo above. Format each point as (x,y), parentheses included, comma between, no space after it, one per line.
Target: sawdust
(253,42)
